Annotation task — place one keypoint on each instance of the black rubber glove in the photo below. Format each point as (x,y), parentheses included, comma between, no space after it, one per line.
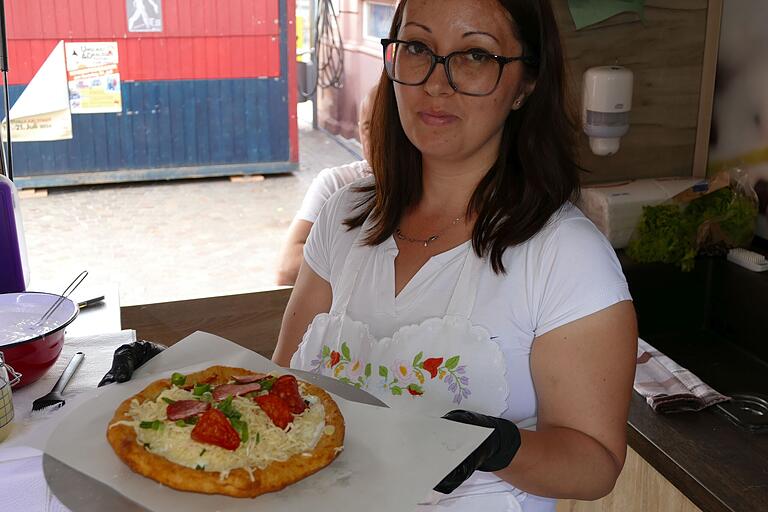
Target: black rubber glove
(129,357)
(494,454)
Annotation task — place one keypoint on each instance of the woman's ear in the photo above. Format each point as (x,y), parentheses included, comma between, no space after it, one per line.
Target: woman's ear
(523,93)
(529,87)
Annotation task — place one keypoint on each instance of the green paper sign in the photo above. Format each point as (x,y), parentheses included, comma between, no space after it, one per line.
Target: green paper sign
(589,12)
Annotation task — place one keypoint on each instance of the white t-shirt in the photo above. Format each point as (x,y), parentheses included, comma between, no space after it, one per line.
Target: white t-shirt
(565,272)
(326,183)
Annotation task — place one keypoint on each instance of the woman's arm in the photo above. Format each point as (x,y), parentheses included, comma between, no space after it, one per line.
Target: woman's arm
(583,374)
(292,252)
(311,296)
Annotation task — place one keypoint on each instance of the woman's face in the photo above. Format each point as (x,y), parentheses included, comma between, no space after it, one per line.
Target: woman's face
(442,123)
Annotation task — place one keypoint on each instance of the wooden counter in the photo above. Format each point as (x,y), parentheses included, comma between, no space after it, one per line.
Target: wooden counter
(250,319)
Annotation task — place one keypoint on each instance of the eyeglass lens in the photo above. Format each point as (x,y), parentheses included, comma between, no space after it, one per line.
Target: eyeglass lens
(470,72)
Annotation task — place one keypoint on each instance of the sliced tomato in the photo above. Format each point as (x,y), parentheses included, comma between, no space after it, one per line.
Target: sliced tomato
(277,410)
(287,389)
(214,428)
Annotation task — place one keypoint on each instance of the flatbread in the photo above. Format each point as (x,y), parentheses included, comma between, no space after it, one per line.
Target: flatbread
(238,483)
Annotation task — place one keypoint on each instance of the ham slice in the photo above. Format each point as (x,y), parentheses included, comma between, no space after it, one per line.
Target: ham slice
(247,379)
(184,409)
(222,392)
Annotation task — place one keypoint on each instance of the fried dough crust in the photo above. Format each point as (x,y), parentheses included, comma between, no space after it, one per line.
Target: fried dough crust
(238,484)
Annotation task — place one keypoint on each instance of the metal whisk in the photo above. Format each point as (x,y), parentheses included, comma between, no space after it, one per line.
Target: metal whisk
(67,291)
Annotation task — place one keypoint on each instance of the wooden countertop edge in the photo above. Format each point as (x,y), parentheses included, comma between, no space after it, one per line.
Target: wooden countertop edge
(692,488)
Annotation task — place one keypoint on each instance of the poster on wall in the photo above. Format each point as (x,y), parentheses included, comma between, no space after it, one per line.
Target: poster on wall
(93,76)
(144,15)
(41,113)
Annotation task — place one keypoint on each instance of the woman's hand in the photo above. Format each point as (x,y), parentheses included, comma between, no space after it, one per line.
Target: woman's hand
(129,357)
(495,453)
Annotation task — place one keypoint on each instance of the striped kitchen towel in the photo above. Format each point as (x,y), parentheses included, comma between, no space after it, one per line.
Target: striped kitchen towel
(667,386)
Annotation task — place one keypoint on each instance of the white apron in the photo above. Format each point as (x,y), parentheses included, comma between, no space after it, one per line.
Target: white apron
(442,364)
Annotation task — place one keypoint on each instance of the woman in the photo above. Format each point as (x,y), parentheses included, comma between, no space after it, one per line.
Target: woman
(461,277)
(322,188)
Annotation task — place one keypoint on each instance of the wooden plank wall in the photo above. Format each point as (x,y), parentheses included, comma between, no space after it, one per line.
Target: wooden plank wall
(169,123)
(214,89)
(666,52)
(213,40)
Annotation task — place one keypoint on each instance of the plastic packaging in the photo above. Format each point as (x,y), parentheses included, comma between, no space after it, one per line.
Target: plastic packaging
(709,218)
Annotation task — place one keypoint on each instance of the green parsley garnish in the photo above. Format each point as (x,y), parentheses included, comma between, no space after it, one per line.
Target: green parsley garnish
(168,400)
(181,423)
(154,425)
(200,389)
(241,427)
(228,409)
(266,384)
(192,420)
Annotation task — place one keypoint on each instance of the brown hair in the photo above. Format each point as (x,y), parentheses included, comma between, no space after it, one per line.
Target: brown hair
(534,174)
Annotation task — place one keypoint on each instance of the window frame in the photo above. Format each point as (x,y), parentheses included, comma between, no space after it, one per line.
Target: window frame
(373,40)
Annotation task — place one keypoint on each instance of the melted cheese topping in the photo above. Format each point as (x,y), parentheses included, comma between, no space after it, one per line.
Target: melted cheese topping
(266,442)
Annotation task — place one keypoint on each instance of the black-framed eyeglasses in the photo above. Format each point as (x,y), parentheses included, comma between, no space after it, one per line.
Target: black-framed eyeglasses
(472,72)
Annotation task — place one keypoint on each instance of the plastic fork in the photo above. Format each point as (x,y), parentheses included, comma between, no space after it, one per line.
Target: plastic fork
(55,399)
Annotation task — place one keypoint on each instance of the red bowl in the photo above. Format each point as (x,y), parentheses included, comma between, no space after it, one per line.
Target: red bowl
(32,351)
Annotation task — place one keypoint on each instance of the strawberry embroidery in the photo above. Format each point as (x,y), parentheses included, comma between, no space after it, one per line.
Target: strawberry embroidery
(415,390)
(335,358)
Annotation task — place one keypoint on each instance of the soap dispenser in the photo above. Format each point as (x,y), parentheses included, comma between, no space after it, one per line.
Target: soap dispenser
(14,271)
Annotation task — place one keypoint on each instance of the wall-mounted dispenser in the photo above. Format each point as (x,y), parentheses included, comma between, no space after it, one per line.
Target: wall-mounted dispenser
(607,100)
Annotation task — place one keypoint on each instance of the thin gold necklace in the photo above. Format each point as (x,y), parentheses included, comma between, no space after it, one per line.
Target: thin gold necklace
(429,239)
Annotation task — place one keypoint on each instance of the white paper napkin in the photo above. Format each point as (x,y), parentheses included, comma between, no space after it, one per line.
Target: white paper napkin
(22,483)
(23,487)
(30,430)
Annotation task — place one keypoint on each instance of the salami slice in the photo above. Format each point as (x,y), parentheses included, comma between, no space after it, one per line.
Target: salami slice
(247,379)
(184,409)
(222,392)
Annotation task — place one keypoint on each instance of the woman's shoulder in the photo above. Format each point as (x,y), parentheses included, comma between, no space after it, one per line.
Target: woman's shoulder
(568,227)
(346,201)
(342,175)
(568,236)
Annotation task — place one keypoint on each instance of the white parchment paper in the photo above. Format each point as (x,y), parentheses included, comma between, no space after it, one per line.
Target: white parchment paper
(391,460)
